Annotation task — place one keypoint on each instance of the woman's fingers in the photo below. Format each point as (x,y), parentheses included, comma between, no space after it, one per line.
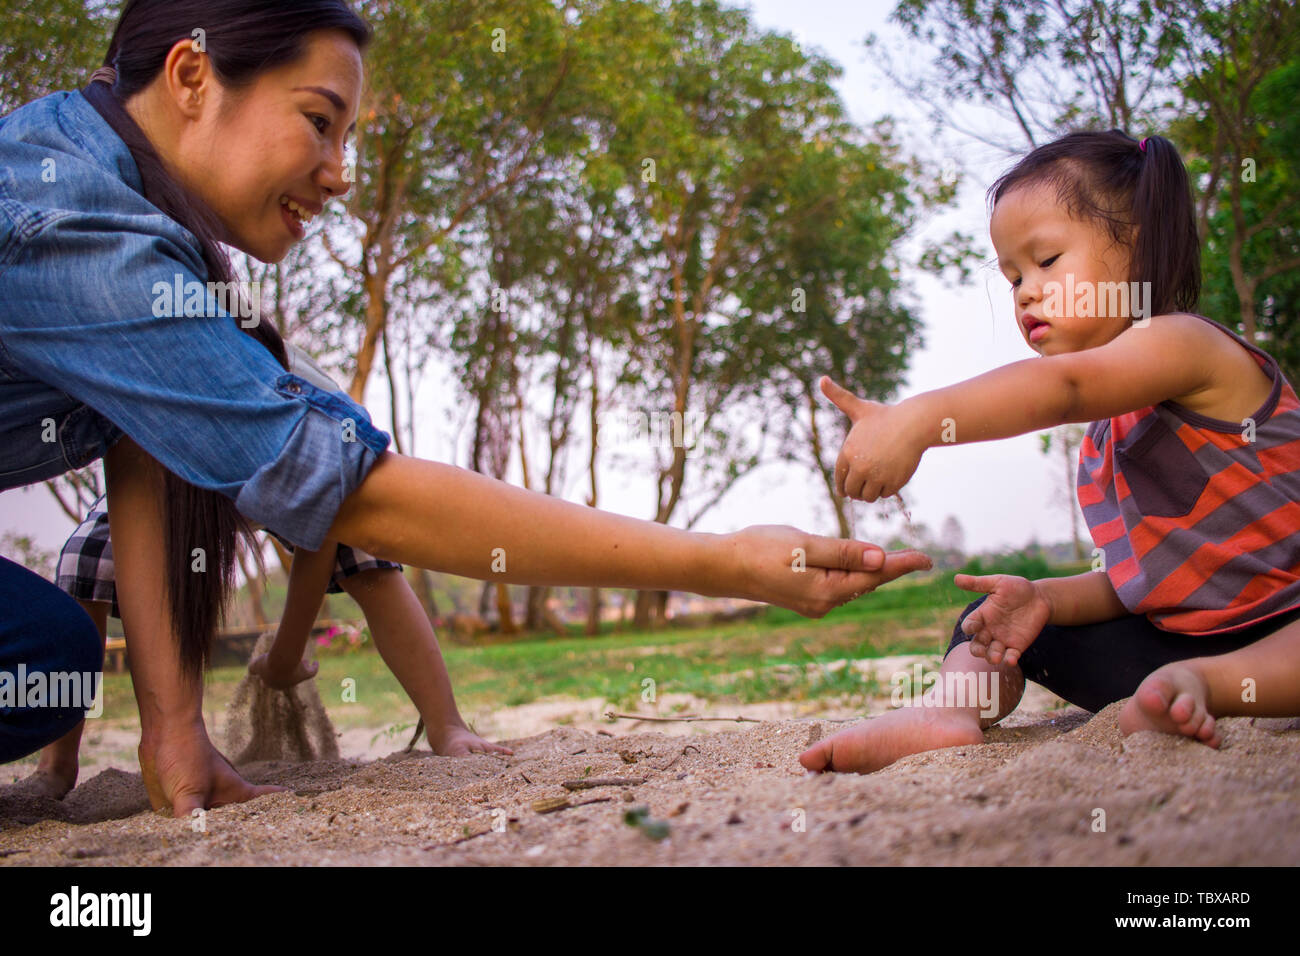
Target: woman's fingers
(844,554)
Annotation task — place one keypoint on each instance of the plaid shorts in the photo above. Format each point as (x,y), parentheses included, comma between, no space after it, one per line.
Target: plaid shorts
(85,568)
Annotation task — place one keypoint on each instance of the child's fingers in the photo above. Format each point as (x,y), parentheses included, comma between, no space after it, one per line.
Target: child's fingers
(844,400)
(1012,656)
(986,584)
(973,622)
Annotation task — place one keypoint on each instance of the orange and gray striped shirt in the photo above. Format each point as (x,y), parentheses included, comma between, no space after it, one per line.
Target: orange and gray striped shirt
(1199,518)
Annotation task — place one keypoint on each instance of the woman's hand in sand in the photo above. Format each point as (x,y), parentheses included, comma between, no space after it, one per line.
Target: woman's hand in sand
(807,573)
(184,772)
(882,451)
(1011,617)
(264,667)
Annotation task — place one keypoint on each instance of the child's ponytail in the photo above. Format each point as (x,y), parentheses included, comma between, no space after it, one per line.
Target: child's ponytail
(1139,191)
(1167,251)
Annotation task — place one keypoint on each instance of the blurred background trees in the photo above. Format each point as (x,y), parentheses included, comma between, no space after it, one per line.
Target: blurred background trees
(636,232)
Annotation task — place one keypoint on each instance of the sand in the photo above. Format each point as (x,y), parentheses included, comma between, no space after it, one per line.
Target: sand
(267,724)
(1029,795)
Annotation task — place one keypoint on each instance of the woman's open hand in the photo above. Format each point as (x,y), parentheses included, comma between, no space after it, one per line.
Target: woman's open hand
(811,574)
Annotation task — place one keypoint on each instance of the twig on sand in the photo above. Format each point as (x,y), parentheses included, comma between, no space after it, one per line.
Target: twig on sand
(680,756)
(611,715)
(415,738)
(556,804)
(592,782)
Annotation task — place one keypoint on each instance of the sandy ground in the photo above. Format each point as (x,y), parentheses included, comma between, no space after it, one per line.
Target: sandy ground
(1047,787)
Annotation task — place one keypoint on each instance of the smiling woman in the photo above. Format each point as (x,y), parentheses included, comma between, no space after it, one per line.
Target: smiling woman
(225,121)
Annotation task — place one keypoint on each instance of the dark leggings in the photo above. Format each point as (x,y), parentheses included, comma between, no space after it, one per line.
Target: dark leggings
(1093,665)
(42,631)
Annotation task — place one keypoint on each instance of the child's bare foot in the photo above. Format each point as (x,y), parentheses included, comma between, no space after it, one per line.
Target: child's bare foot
(1172,700)
(878,742)
(460,741)
(45,782)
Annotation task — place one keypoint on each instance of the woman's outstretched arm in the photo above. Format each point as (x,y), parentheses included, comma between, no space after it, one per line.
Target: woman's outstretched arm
(450,519)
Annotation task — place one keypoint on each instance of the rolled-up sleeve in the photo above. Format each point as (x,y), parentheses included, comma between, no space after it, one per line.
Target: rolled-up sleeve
(78,312)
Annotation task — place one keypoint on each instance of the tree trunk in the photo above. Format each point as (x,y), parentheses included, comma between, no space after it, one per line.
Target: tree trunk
(254,582)
(535,607)
(423,587)
(504,611)
(594,603)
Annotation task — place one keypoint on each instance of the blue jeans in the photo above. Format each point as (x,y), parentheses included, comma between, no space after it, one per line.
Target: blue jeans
(42,631)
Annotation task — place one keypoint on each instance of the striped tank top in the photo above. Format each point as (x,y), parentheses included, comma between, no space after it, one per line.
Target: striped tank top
(1199,524)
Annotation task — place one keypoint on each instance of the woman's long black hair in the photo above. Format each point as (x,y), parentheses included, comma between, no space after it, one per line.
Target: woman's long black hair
(242,38)
(1112,178)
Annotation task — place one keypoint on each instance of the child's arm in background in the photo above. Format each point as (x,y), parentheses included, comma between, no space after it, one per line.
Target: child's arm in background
(1016,609)
(1170,358)
(309,575)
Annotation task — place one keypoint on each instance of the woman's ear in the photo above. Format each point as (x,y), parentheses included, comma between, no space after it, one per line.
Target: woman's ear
(187,76)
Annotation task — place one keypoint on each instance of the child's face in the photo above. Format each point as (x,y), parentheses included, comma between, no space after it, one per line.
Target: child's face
(1054,264)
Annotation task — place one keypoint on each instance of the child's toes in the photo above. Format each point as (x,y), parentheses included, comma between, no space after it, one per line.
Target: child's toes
(1183,709)
(1208,730)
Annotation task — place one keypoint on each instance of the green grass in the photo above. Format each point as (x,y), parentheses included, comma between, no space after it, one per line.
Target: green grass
(762,659)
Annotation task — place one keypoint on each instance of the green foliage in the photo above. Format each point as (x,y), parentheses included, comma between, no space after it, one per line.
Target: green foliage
(49,45)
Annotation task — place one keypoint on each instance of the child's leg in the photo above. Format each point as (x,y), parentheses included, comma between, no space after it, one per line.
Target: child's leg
(1261,679)
(945,718)
(56,773)
(408,645)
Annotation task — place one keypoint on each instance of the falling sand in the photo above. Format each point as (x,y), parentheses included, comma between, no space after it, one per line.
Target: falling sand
(267,724)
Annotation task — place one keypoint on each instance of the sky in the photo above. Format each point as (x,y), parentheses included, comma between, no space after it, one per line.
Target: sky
(1003,493)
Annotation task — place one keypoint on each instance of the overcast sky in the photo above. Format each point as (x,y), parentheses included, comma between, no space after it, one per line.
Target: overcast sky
(1004,493)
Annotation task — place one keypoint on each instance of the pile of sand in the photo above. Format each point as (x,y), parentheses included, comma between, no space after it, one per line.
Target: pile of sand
(1030,795)
(267,724)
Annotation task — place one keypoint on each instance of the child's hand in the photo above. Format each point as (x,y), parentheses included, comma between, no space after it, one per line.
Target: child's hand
(882,451)
(262,666)
(1011,617)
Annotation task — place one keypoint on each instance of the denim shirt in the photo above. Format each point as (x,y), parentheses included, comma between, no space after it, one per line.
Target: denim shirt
(84,358)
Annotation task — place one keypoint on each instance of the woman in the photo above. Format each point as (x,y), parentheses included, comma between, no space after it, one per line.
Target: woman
(225,122)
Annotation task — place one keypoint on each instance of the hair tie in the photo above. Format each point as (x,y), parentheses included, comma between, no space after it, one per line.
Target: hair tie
(105,74)
(1143,145)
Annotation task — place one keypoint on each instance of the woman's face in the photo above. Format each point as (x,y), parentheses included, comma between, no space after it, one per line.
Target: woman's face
(254,154)
(1050,259)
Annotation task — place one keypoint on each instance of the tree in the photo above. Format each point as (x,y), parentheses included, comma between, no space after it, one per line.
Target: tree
(1241,134)
(1042,68)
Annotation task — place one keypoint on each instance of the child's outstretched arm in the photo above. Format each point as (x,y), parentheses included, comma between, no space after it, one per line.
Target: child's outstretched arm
(1017,609)
(1172,357)
(309,575)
